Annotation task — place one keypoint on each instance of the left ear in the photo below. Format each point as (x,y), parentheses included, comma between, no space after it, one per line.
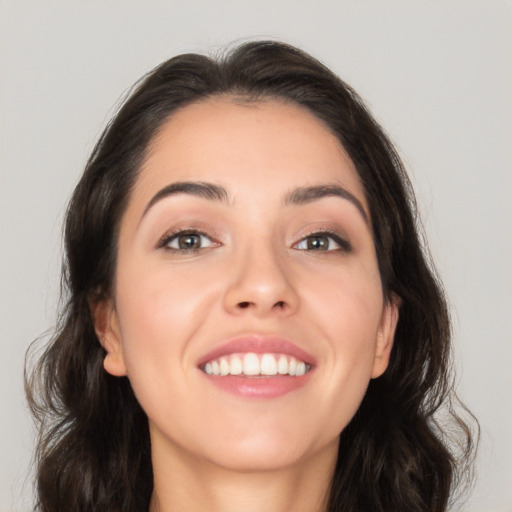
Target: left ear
(386,335)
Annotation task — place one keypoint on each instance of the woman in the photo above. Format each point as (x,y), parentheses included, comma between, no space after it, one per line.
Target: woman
(252,323)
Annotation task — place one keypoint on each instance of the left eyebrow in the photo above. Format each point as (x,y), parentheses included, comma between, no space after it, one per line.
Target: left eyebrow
(304,195)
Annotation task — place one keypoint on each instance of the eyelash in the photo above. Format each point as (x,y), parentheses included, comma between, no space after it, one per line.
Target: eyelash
(343,244)
(170,237)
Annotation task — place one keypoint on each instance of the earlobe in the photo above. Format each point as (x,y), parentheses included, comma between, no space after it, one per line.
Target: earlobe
(106,325)
(386,335)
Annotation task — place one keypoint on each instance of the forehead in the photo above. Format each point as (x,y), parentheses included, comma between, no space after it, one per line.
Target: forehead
(268,145)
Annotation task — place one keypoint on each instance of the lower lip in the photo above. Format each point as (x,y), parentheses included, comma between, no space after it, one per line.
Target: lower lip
(258,387)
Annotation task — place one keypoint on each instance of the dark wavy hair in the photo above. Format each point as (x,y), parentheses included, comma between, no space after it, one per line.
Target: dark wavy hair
(406,449)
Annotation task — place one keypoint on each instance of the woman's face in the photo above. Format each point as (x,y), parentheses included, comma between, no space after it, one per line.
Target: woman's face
(248,312)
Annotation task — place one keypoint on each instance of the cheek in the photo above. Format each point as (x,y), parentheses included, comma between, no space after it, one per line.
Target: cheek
(160,311)
(347,309)
(155,326)
(348,305)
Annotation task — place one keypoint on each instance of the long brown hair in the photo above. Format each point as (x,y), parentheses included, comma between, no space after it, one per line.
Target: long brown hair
(395,455)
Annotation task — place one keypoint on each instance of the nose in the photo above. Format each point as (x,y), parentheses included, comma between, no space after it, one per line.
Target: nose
(261,284)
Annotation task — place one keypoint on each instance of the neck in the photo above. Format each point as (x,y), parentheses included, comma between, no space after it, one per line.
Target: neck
(198,485)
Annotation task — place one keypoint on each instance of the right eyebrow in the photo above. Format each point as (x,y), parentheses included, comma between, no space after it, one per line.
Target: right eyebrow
(196,188)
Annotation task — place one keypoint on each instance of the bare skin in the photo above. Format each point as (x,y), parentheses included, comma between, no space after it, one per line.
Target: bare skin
(204,487)
(247,222)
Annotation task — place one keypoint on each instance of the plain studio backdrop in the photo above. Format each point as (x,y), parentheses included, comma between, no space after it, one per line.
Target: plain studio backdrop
(438,76)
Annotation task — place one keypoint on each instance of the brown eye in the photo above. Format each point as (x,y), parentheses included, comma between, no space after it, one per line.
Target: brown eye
(187,241)
(317,243)
(323,242)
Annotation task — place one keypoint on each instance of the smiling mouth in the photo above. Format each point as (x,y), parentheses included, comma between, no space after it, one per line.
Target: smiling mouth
(256,365)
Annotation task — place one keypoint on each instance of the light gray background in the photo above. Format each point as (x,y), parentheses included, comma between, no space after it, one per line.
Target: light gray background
(438,75)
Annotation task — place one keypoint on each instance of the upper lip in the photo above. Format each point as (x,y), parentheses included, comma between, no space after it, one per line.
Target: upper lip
(258,344)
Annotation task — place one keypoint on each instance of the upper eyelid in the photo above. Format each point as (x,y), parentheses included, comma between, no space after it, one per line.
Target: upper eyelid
(172,234)
(338,236)
(335,235)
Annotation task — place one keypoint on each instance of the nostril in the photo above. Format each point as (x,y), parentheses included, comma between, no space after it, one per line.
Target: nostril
(246,304)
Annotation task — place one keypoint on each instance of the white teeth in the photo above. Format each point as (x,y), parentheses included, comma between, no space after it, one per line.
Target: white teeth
(236,366)
(300,369)
(252,364)
(224,367)
(268,365)
(282,365)
(291,366)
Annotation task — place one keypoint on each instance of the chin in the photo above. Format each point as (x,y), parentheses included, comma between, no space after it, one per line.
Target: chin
(267,452)
(265,459)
